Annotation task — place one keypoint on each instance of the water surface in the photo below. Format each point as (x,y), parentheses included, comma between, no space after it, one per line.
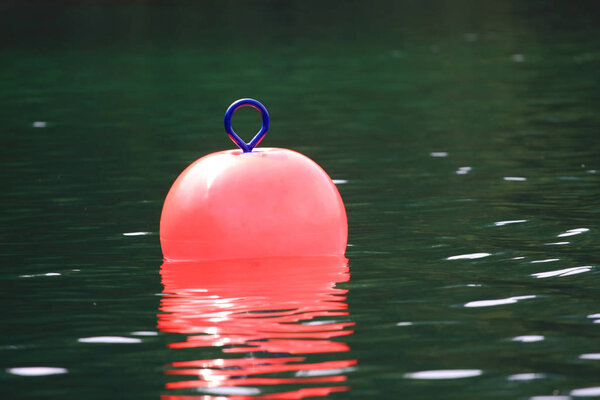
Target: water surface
(464,139)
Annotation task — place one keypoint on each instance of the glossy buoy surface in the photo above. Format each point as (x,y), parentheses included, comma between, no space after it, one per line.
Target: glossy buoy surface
(251,203)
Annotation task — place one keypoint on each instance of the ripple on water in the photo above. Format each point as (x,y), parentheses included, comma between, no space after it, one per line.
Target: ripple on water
(232,391)
(497,302)
(590,356)
(37,371)
(109,339)
(471,256)
(323,372)
(526,377)
(145,333)
(550,398)
(38,275)
(514,221)
(444,374)
(572,232)
(528,338)
(563,272)
(586,392)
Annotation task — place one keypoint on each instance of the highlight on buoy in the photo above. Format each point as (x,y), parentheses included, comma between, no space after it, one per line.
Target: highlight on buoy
(252,203)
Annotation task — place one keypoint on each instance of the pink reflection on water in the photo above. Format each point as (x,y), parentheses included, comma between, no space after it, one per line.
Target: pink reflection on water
(272,319)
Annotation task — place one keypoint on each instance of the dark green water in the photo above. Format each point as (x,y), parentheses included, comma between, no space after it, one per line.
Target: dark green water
(442,121)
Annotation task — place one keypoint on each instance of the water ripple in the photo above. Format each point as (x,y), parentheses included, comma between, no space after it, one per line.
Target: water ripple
(572,232)
(339,181)
(497,302)
(36,371)
(563,272)
(232,391)
(444,374)
(109,339)
(550,398)
(586,392)
(38,275)
(471,256)
(590,356)
(526,377)
(528,338)
(514,221)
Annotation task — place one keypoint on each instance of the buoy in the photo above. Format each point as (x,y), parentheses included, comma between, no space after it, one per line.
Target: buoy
(252,203)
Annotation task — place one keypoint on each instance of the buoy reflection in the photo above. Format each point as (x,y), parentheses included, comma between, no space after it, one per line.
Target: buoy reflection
(276,322)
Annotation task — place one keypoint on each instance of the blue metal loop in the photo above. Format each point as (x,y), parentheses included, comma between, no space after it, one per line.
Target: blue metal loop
(247,147)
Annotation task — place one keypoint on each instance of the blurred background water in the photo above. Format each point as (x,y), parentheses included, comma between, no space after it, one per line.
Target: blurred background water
(465,140)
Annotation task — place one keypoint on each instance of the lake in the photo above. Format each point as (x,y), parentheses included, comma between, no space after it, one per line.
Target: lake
(464,138)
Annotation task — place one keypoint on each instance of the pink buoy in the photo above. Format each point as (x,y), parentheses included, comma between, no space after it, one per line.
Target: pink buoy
(252,203)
